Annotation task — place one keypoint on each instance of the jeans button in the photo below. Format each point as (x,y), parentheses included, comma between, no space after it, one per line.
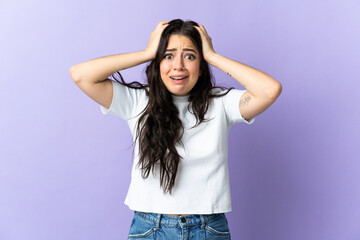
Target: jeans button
(183,220)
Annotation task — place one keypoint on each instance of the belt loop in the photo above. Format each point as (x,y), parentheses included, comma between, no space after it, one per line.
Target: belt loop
(158,221)
(203,223)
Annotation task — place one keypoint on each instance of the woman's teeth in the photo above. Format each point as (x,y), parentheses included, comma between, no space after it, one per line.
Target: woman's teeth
(178,78)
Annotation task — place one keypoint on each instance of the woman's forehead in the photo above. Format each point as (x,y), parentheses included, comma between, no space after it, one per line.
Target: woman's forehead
(180,42)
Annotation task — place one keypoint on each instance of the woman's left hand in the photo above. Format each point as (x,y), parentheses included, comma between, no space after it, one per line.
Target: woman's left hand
(208,50)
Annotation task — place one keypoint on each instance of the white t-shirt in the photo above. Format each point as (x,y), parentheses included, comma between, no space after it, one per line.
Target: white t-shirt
(202,181)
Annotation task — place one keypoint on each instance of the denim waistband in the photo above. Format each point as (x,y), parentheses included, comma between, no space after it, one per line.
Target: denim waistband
(178,221)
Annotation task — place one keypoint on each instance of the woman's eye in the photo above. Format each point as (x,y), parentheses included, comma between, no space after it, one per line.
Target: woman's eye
(190,56)
(168,56)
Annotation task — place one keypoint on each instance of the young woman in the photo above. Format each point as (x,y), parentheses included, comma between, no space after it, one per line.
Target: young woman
(180,122)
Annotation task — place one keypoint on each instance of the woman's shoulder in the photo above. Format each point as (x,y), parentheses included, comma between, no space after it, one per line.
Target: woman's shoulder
(131,91)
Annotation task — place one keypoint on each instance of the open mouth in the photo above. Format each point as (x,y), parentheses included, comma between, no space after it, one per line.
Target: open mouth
(179,79)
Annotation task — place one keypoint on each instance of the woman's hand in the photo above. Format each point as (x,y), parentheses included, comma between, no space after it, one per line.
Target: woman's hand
(208,50)
(154,41)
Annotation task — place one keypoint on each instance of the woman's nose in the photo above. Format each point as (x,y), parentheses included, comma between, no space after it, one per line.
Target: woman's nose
(178,63)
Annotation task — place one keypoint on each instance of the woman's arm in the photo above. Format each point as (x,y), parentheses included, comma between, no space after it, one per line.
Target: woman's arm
(98,69)
(91,76)
(262,89)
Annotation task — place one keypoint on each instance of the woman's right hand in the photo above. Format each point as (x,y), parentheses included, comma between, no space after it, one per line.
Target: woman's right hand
(154,41)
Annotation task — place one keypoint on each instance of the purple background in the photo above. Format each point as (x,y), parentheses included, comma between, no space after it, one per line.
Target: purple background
(65,167)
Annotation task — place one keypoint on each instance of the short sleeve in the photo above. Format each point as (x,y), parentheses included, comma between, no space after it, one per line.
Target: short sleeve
(125,100)
(231,103)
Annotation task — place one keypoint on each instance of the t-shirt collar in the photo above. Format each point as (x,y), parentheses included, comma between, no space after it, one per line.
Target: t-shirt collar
(180,98)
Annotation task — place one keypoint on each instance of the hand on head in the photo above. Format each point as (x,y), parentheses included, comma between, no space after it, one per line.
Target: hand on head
(155,38)
(208,49)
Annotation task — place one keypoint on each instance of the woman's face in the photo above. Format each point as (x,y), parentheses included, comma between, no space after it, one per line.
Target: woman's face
(180,66)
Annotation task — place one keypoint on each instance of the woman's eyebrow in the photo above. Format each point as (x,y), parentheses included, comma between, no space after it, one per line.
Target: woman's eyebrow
(185,49)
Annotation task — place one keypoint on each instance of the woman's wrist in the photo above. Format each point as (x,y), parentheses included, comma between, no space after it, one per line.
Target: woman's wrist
(148,55)
(212,58)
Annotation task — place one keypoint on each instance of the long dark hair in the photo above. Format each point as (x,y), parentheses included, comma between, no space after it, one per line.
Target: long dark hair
(159,128)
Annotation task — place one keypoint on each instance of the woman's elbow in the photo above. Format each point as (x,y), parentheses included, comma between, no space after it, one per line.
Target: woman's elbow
(275,91)
(74,74)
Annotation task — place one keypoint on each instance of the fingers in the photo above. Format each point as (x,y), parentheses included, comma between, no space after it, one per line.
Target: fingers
(203,28)
(155,38)
(162,24)
(203,32)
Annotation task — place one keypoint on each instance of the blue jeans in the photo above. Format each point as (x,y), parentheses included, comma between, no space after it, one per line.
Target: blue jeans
(192,227)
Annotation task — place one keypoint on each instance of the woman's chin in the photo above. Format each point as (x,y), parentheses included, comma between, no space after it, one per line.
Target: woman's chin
(179,92)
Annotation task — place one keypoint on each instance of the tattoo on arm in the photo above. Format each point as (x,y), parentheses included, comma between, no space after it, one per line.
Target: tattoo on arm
(231,76)
(246,101)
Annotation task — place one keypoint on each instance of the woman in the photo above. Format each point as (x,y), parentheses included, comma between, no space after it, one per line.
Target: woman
(180,122)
